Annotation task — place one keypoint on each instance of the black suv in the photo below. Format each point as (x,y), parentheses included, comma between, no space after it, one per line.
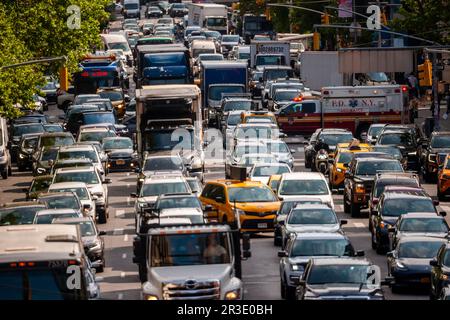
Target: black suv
(395,201)
(332,137)
(405,141)
(434,152)
(359,180)
(440,271)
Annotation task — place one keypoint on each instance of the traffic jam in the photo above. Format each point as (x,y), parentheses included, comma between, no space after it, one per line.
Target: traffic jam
(189,159)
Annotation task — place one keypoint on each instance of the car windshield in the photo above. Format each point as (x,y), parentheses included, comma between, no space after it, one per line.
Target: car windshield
(88,177)
(94,118)
(344,157)
(267,171)
(350,274)
(233,119)
(49,154)
(229,38)
(189,249)
(246,149)
(272,61)
(95,136)
(48,218)
(111,95)
(312,216)
(18,215)
(29,128)
(335,139)
(248,133)
(251,194)
(286,95)
(178,202)
(423,225)
(397,207)
(69,202)
(418,249)
(278,147)
(321,247)
(29,143)
(212,34)
(440,141)
(303,187)
(82,193)
(215,92)
(273,184)
(374,131)
(164,164)
(370,168)
(238,106)
(195,185)
(117,144)
(53,128)
(131,6)
(381,184)
(392,151)
(156,189)
(57,141)
(401,139)
(40,185)
(82,154)
(87,228)
(119,45)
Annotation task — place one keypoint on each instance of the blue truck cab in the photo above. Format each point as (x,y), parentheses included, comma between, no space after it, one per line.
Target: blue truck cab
(163,64)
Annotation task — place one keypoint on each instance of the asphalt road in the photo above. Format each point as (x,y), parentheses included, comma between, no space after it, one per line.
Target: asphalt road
(260,272)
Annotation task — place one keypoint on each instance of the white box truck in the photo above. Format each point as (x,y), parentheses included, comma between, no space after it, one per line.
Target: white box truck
(320,69)
(209,16)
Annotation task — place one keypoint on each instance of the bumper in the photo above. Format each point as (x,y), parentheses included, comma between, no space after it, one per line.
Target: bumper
(3,163)
(408,279)
(122,164)
(257,225)
(361,199)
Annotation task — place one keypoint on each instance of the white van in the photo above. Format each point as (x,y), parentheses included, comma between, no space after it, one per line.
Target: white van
(118,41)
(5,157)
(200,46)
(131,9)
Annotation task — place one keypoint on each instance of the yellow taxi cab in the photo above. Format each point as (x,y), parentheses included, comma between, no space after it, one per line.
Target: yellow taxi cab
(254,202)
(274,182)
(343,156)
(117,99)
(443,185)
(258,117)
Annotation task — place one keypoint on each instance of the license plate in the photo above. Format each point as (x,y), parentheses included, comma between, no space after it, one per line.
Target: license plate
(120,162)
(425,280)
(262,225)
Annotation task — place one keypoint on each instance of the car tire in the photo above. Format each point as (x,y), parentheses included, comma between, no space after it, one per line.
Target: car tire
(290,293)
(277,241)
(355,210)
(9,171)
(282,290)
(440,195)
(5,174)
(395,289)
(142,273)
(372,240)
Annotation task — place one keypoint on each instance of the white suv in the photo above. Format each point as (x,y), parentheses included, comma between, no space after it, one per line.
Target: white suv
(91,177)
(81,190)
(82,151)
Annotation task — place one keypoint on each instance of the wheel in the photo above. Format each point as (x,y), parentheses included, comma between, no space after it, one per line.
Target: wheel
(374,243)
(290,293)
(355,210)
(9,171)
(5,174)
(283,290)
(277,241)
(346,205)
(142,273)
(440,195)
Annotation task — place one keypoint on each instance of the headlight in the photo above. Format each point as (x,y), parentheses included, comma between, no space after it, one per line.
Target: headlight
(400,265)
(322,156)
(339,170)
(359,188)
(233,295)
(134,155)
(150,297)
(432,158)
(22,156)
(384,225)
(296,267)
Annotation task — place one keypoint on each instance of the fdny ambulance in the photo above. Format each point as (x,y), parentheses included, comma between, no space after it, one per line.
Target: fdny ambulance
(353,108)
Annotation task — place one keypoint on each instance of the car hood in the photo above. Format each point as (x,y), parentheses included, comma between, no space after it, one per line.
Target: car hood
(88,240)
(116,152)
(193,272)
(313,228)
(401,234)
(258,206)
(416,264)
(340,289)
(93,188)
(263,180)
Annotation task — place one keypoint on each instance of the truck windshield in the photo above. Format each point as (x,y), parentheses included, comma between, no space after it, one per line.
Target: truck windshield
(278,73)
(189,249)
(215,92)
(270,61)
(165,59)
(38,284)
(216,22)
(378,77)
(167,140)
(131,6)
(238,105)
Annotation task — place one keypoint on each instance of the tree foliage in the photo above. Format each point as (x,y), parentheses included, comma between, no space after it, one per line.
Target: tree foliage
(35,29)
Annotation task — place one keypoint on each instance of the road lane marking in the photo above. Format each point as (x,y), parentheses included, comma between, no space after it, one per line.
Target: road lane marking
(125,238)
(359,225)
(120,212)
(120,296)
(118,232)
(122,274)
(124,256)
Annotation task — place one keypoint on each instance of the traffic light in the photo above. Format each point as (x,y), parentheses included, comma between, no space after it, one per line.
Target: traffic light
(316,41)
(63,78)
(325,18)
(260,2)
(426,74)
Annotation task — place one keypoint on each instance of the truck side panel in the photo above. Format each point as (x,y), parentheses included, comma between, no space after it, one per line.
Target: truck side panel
(320,69)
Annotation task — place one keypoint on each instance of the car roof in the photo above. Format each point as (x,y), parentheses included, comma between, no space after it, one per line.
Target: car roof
(320,235)
(421,238)
(66,185)
(21,204)
(75,169)
(339,261)
(311,206)
(416,215)
(55,211)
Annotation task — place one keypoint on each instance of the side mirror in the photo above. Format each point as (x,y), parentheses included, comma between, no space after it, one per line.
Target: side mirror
(127,98)
(346,165)
(282,254)
(246,242)
(86,206)
(360,253)
(95,198)
(209,208)
(433,262)
(331,161)
(375,201)
(133,195)
(301,282)
(293,151)
(343,221)
(348,175)
(107,181)
(102,233)
(443,213)
(137,170)
(435,203)
(390,254)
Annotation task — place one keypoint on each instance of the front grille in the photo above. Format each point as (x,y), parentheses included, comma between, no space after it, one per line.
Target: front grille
(253,223)
(260,214)
(124,156)
(191,290)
